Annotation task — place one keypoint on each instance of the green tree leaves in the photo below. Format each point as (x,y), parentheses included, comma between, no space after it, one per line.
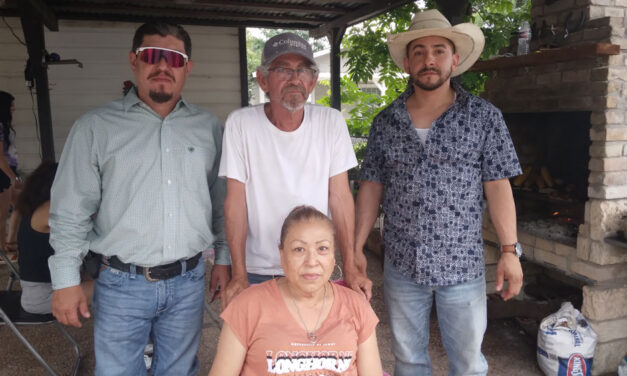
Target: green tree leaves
(365,49)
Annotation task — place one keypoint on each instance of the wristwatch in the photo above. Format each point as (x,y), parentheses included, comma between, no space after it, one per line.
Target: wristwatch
(515,248)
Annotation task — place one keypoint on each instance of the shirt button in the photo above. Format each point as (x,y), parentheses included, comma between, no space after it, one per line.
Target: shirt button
(169,246)
(170,215)
(169,181)
(167,150)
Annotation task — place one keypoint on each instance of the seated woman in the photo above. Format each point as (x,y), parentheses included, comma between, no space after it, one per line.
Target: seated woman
(300,324)
(33,241)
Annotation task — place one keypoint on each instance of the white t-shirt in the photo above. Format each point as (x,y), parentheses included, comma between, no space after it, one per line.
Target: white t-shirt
(282,170)
(422,134)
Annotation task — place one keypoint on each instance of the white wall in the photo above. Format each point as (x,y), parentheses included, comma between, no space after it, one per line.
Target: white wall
(103,48)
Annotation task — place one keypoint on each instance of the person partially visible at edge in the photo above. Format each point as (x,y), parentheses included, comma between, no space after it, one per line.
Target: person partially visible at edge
(10,182)
(138,185)
(33,240)
(282,154)
(431,156)
(301,324)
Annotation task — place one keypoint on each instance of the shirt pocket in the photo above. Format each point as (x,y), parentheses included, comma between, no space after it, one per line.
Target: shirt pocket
(197,164)
(462,150)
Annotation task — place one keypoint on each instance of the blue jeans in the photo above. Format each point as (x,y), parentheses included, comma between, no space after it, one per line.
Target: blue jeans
(254,279)
(128,309)
(462,318)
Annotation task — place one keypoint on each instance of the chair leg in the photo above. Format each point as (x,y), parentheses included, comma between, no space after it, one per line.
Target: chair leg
(11,281)
(77,350)
(19,335)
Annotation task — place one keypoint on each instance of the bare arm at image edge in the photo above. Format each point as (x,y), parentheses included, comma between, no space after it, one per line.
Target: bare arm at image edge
(503,215)
(368,201)
(368,358)
(236,221)
(230,355)
(342,209)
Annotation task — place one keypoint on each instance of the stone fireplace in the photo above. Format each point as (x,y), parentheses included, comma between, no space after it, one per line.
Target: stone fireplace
(566,107)
(551,193)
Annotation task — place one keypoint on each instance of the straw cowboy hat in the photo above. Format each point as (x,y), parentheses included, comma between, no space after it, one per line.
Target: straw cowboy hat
(467,38)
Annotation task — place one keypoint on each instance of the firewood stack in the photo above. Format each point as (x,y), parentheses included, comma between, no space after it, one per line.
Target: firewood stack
(538,178)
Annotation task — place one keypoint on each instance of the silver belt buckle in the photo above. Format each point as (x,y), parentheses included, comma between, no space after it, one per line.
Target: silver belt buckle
(147,275)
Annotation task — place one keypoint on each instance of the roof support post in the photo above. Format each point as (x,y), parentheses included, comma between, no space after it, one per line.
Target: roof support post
(33,29)
(243,66)
(335,40)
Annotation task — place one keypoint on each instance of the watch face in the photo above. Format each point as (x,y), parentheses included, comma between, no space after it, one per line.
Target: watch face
(518,249)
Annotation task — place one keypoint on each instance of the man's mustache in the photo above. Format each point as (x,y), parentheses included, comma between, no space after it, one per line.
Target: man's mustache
(297,87)
(165,73)
(429,70)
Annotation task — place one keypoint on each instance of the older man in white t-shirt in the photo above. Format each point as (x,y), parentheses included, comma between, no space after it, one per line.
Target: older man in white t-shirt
(282,154)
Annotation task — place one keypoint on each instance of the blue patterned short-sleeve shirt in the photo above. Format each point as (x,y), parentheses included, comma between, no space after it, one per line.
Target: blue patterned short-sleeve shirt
(433,197)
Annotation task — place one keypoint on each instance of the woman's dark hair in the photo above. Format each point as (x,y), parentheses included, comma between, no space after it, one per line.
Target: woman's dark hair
(163,29)
(36,189)
(300,214)
(5,116)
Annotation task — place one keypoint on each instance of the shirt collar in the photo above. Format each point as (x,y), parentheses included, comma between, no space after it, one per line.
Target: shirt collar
(131,99)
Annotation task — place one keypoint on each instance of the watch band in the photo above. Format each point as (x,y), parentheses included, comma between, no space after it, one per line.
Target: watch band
(508,248)
(515,248)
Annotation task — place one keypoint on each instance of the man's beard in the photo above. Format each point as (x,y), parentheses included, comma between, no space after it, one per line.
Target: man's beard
(160,97)
(431,86)
(293,102)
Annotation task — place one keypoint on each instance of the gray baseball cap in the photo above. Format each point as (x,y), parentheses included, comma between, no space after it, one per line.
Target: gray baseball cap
(286,43)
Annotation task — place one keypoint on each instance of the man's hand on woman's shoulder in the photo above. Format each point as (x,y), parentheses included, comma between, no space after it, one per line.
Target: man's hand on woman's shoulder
(358,281)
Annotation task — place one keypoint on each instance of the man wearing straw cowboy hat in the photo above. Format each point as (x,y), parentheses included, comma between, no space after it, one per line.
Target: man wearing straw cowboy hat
(437,150)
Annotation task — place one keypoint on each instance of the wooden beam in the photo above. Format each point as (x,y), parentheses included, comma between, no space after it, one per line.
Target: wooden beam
(360,2)
(358,15)
(93,9)
(569,53)
(35,43)
(335,40)
(454,10)
(38,9)
(276,23)
(254,5)
(243,66)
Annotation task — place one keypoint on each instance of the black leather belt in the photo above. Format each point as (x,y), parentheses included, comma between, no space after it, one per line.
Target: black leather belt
(155,273)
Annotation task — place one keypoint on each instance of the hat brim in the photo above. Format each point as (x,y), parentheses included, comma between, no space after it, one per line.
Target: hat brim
(467,38)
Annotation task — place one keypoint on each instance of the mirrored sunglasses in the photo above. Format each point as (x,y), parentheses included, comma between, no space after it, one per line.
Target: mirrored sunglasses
(152,55)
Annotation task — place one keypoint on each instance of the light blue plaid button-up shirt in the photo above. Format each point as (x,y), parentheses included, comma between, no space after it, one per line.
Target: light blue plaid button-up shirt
(139,187)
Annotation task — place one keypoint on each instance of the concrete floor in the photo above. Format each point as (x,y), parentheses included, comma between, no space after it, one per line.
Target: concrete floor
(509,352)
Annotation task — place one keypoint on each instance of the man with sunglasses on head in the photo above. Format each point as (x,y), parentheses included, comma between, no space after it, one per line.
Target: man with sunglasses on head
(282,154)
(138,185)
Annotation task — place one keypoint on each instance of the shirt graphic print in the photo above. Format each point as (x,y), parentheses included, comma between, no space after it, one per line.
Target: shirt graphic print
(312,362)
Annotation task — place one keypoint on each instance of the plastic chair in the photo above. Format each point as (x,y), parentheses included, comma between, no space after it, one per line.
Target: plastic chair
(12,314)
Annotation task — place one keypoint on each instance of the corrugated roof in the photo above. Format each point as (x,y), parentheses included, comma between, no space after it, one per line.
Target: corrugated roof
(318,16)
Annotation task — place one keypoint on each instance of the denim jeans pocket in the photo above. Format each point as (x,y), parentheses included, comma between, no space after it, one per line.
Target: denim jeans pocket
(112,277)
(197,273)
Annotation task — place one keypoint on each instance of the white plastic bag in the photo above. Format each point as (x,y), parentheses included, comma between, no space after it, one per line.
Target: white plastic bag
(622,367)
(566,343)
